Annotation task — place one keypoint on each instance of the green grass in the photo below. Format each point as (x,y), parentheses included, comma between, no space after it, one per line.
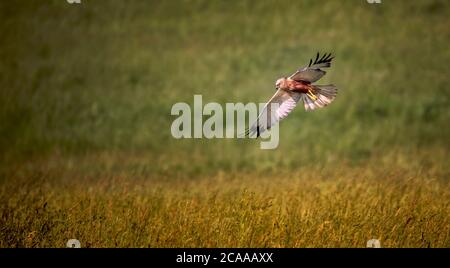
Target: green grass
(85,98)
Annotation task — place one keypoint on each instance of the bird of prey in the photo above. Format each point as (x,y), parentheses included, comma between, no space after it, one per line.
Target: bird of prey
(290,90)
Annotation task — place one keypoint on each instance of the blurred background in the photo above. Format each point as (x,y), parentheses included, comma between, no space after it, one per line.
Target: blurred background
(97,80)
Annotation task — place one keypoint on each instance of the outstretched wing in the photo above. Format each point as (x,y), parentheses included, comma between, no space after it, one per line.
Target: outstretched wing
(277,108)
(312,72)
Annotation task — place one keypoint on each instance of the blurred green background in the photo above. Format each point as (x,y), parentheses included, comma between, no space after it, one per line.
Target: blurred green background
(97,81)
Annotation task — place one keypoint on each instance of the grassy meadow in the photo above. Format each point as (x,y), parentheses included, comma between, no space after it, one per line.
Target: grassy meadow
(86,150)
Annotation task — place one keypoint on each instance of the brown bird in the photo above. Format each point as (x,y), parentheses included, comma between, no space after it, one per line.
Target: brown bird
(298,86)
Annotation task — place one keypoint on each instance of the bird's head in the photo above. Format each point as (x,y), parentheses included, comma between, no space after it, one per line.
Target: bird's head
(279,83)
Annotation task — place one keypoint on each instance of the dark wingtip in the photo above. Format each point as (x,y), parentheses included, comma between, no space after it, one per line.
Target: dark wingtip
(247,133)
(326,58)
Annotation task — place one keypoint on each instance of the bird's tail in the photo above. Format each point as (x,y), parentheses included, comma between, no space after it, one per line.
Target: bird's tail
(319,96)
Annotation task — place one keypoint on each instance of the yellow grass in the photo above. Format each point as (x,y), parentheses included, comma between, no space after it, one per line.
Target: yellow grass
(337,206)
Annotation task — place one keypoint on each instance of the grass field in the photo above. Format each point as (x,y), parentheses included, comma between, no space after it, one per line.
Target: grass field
(86,150)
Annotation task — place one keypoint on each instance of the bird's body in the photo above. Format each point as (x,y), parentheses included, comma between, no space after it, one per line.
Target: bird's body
(292,85)
(298,86)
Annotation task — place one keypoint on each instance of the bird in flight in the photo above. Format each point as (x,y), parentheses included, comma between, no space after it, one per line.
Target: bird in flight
(292,89)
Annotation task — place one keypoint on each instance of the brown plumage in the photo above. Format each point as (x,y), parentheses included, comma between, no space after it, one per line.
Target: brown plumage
(298,86)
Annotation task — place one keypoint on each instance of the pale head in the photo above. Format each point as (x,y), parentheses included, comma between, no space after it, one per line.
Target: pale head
(280,83)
